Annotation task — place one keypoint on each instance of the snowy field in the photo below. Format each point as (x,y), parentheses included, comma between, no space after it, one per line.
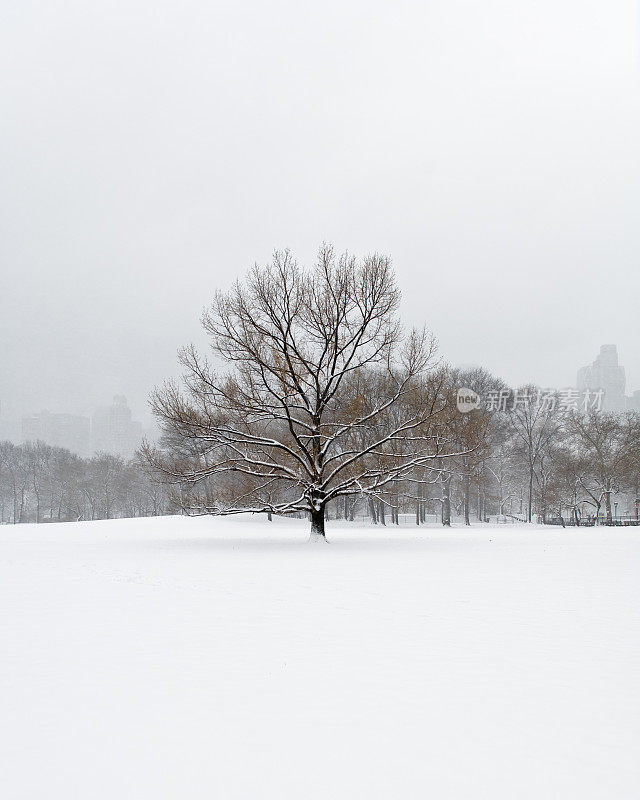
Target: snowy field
(201,658)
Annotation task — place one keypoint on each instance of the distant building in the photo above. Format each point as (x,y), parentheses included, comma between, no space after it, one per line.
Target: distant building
(606,373)
(113,430)
(5,432)
(60,430)
(633,402)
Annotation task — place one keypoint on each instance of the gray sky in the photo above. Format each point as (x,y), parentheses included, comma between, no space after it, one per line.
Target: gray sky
(152,151)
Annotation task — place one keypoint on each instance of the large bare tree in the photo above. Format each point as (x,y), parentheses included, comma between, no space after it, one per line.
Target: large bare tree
(278,422)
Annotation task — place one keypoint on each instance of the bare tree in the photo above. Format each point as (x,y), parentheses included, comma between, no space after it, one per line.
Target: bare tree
(15,472)
(287,414)
(606,447)
(471,432)
(43,483)
(534,426)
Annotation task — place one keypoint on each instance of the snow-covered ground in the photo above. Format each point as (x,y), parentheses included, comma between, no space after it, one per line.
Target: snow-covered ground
(206,658)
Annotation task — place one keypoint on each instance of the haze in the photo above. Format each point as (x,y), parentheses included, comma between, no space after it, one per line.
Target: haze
(153,151)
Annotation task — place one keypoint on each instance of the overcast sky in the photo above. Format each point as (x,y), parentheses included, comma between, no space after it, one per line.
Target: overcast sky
(152,151)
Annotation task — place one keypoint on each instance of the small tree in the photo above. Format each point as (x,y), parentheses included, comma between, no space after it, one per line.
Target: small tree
(287,416)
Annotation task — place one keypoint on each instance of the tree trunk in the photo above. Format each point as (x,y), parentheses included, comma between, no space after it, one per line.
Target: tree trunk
(381,514)
(317,526)
(607,504)
(467,492)
(446,501)
(446,507)
(445,485)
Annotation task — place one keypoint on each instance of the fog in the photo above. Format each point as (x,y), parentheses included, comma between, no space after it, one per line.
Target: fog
(152,152)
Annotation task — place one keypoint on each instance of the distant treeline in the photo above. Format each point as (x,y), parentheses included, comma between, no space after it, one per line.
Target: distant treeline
(41,483)
(519,464)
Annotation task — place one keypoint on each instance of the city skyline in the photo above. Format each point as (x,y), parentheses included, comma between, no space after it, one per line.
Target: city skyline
(110,429)
(71,429)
